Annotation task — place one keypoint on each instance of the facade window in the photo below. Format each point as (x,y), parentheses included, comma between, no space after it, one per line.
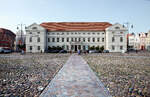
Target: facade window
(88,39)
(53,39)
(93,39)
(102,39)
(62,33)
(67,39)
(48,39)
(57,33)
(97,39)
(72,33)
(72,47)
(113,39)
(30,32)
(30,40)
(75,39)
(89,33)
(83,33)
(38,32)
(38,48)
(71,39)
(67,33)
(97,33)
(121,47)
(79,39)
(63,47)
(62,39)
(121,39)
(38,39)
(67,47)
(30,48)
(83,47)
(121,32)
(113,47)
(57,39)
(79,33)
(102,33)
(93,33)
(83,39)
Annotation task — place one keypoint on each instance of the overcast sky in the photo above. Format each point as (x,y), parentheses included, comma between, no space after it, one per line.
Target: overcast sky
(136,12)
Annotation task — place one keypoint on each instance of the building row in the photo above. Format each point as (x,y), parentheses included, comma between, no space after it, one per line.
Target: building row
(139,41)
(73,36)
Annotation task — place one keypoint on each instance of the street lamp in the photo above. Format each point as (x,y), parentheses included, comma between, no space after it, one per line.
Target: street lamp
(129,26)
(20,27)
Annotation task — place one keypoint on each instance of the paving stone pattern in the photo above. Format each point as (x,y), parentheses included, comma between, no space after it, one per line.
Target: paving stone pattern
(75,79)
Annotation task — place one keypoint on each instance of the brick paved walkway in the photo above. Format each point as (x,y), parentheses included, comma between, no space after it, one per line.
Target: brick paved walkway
(75,79)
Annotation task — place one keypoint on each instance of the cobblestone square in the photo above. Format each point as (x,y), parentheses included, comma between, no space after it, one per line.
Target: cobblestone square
(124,75)
(28,75)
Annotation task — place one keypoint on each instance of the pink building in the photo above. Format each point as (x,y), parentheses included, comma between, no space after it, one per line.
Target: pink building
(143,40)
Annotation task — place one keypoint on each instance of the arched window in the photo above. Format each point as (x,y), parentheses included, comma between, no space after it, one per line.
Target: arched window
(117,27)
(34,27)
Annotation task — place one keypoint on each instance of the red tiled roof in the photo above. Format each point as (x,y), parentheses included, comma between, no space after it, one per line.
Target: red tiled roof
(75,26)
(3,30)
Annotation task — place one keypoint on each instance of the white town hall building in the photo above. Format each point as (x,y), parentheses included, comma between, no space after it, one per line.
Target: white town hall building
(76,35)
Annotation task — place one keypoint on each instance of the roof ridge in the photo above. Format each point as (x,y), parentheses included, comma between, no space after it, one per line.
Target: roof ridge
(76,26)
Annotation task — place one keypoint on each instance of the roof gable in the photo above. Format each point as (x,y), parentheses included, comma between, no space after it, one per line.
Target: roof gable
(117,26)
(34,26)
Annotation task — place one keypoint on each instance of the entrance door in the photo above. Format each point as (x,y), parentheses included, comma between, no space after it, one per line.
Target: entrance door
(79,47)
(142,47)
(76,48)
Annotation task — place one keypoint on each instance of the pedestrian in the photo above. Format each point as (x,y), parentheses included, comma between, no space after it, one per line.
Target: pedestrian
(70,51)
(22,52)
(136,51)
(79,52)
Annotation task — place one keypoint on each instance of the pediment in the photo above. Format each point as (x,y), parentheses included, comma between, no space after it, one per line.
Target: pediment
(116,27)
(35,26)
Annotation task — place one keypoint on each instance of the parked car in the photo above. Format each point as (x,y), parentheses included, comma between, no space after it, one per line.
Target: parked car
(1,50)
(5,50)
(105,51)
(62,51)
(53,51)
(93,51)
(131,50)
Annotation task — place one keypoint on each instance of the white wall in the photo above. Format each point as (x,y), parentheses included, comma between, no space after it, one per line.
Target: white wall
(116,33)
(107,35)
(77,35)
(30,32)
